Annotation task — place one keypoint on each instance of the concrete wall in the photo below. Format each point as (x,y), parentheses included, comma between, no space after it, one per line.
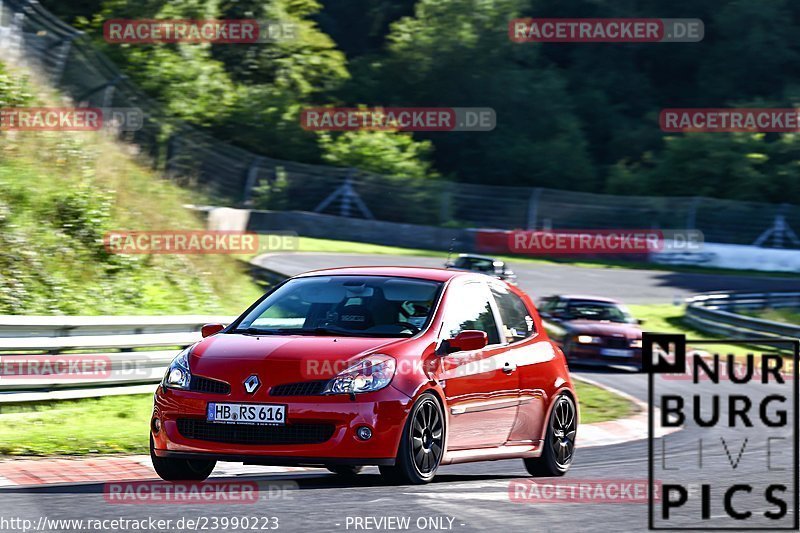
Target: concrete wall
(356,229)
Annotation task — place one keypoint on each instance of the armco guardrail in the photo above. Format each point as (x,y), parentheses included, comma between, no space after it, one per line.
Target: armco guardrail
(13,326)
(137,348)
(717,313)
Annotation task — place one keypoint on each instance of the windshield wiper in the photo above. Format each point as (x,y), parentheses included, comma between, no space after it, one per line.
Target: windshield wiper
(255,331)
(322,330)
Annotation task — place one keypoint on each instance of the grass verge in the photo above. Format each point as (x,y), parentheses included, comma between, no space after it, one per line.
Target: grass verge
(119,424)
(113,424)
(600,405)
(785,315)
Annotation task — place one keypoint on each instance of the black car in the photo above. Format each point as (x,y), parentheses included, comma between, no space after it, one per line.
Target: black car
(485,264)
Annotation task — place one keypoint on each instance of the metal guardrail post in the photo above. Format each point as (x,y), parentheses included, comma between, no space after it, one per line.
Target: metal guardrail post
(533,207)
(250,181)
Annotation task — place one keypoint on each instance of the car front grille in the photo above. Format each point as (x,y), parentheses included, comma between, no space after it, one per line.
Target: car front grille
(305,388)
(212,386)
(616,342)
(194,428)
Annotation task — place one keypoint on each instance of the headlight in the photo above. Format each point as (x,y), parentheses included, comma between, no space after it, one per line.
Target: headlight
(178,375)
(636,343)
(588,339)
(369,374)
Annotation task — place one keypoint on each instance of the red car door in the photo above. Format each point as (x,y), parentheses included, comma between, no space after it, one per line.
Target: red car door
(528,351)
(481,386)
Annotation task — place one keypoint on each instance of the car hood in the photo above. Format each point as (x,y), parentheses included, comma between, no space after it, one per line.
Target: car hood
(279,359)
(601,328)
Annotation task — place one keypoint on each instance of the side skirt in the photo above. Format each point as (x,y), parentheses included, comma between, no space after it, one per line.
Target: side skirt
(508,451)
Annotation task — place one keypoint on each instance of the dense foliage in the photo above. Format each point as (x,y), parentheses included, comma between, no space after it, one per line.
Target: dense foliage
(578,116)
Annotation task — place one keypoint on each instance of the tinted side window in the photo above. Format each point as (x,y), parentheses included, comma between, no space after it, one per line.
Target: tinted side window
(517,321)
(547,304)
(470,309)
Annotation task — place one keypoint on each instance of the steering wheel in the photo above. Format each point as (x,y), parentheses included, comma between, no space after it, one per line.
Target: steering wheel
(414,329)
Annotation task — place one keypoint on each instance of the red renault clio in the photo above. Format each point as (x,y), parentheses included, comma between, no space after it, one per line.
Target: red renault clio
(404,368)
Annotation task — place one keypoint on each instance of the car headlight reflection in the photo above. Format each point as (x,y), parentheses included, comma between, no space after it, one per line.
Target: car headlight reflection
(178,375)
(369,374)
(588,339)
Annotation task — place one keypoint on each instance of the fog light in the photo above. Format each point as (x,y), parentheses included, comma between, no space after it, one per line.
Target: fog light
(364,433)
(156,425)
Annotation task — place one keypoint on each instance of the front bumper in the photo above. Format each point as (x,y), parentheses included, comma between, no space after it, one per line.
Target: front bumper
(384,412)
(590,354)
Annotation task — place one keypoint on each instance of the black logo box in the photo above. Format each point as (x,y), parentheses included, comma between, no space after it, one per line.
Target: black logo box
(675,344)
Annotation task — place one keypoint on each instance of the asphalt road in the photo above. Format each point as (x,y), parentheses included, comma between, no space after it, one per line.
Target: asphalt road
(475,497)
(629,285)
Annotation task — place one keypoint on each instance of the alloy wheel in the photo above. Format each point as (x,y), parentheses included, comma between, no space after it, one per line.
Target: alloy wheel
(427,433)
(564,427)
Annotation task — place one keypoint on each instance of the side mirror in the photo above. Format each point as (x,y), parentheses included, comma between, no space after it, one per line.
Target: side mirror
(468,340)
(640,321)
(211,329)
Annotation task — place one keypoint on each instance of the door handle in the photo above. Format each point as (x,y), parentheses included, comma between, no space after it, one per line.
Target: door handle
(509,367)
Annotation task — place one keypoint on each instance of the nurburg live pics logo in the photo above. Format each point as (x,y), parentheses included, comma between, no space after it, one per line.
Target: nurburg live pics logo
(734,465)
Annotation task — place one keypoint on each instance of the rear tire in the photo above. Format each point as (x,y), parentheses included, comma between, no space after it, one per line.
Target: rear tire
(421,445)
(558,448)
(345,471)
(180,469)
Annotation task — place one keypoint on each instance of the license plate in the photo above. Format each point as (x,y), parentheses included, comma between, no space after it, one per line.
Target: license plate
(246,413)
(616,352)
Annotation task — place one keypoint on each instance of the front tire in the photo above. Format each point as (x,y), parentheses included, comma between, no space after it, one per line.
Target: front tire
(559,443)
(421,445)
(180,469)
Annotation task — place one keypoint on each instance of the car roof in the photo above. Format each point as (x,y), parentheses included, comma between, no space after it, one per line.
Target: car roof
(432,274)
(585,298)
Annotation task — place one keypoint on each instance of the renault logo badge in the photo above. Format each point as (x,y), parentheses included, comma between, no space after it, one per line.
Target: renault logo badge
(251,384)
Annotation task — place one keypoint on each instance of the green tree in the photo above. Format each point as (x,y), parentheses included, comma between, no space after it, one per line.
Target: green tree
(382,152)
(456,53)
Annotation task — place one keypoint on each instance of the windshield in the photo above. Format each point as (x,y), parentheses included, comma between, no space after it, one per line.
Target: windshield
(597,311)
(368,306)
(474,263)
